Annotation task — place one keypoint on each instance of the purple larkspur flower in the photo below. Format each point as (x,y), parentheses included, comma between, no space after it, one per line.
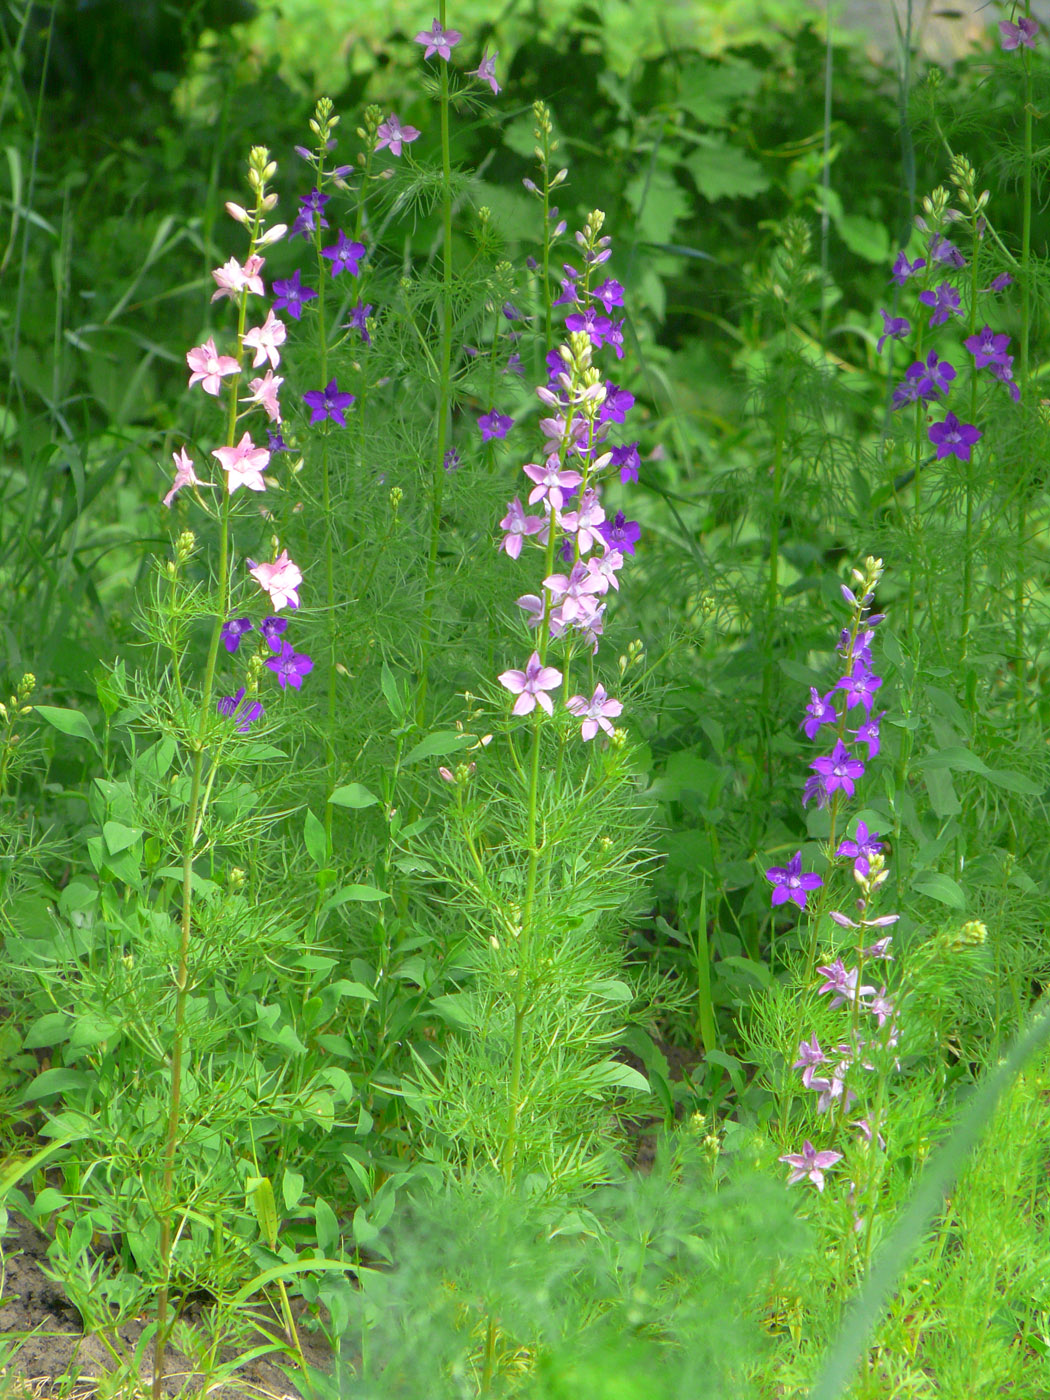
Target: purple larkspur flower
(942,250)
(552,483)
(860,687)
(328,403)
(531,685)
(358,321)
(1004,371)
(937,373)
(485,72)
(842,984)
(596,712)
(233,631)
(311,209)
(915,387)
(952,438)
(862,843)
(275,443)
(903,269)
(610,294)
(819,711)
(591,323)
(880,1006)
(271,629)
(1003,280)
(789,883)
(893,328)
(494,425)
(809,1163)
(438,40)
(815,790)
(839,769)
(868,733)
(618,403)
(292,295)
(626,458)
(1013,36)
(391,133)
(345,256)
(943,300)
(620,533)
(453,461)
(519,527)
(809,1056)
(290,666)
(230,706)
(987,347)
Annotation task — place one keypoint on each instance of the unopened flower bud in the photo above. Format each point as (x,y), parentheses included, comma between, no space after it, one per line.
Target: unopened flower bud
(559,179)
(396,497)
(972,934)
(235,879)
(238,212)
(26,686)
(272,235)
(618,738)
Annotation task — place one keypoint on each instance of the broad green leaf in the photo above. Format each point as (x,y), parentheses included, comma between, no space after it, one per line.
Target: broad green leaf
(445,741)
(1014,782)
(56,1081)
(353,795)
(51,1029)
(292,1188)
(260,1194)
(363,894)
(956,758)
(70,722)
(613,1074)
(119,837)
(316,840)
(327,1225)
(942,887)
(868,239)
(356,990)
(722,171)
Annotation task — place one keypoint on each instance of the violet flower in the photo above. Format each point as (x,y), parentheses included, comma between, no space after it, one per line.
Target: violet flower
(595,712)
(809,1163)
(620,533)
(863,843)
(838,769)
(893,328)
(494,425)
(328,403)
(809,1056)
(903,269)
(359,320)
(952,438)
(944,302)
(271,629)
(485,72)
(438,40)
(345,255)
(819,711)
(987,347)
(229,705)
(290,666)
(790,884)
(392,134)
(1013,36)
(233,631)
(292,296)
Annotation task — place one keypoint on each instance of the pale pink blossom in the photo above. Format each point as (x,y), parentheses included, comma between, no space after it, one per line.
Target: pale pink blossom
(244,464)
(265,339)
(184,475)
(280,580)
(595,712)
(519,527)
(209,366)
(391,133)
(232,279)
(264,392)
(531,685)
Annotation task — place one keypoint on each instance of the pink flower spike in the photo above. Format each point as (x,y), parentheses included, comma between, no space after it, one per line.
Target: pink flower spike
(264,393)
(596,712)
(243,464)
(232,279)
(438,40)
(485,72)
(265,339)
(391,133)
(184,475)
(279,580)
(209,367)
(531,685)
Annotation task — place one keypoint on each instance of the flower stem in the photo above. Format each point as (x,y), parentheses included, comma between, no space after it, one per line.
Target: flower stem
(1026,323)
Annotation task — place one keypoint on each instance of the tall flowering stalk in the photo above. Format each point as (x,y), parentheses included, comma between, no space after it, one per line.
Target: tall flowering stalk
(582,553)
(244,464)
(834,779)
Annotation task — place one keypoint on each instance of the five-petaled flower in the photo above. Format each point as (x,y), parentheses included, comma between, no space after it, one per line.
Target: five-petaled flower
(290,666)
(903,269)
(596,712)
(345,255)
(839,769)
(232,279)
(233,631)
(278,580)
(943,300)
(987,347)
(184,475)
(265,339)
(494,425)
(952,438)
(208,366)
(328,403)
(391,133)
(244,464)
(438,40)
(820,710)
(531,685)
(809,1163)
(485,72)
(1013,36)
(519,527)
(271,629)
(790,883)
(358,321)
(231,705)
(292,296)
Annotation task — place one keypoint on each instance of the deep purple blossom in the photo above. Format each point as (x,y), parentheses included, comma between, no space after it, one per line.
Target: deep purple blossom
(789,882)
(229,705)
(358,321)
(943,300)
(809,1163)
(860,687)
(275,443)
(839,769)
(815,790)
(893,328)
(819,711)
(311,209)
(1003,280)
(952,438)
(987,347)
(626,458)
(494,425)
(592,323)
(345,255)
(618,403)
(942,250)
(328,403)
(620,533)
(290,666)
(938,373)
(1004,371)
(903,269)
(862,843)
(868,733)
(271,629)
(233,631)
(610,294)
(292,295)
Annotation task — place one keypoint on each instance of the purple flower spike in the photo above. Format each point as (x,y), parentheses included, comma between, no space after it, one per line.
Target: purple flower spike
(438,40)
(328,403)
(292,296)
(290,667)
(952,438)
(809,1163)
(494,425)
(790,883)
(233,631)
(838,769)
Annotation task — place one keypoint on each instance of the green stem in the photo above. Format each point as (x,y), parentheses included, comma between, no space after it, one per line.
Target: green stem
(1026,324)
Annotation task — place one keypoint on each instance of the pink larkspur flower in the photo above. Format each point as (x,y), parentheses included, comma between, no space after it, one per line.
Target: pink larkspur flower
(485,72)
(264,393)
(184,475)
(809,1163)
(438,40)
(391,133)
(531,685)
(232,279)
(209,367)
(265,339)
(519,527)
(279,580)
(595,712)
(243,464)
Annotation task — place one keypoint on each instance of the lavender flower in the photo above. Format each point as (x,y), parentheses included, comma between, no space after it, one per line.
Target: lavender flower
(809,1056)
(290,666)
(271,629)
(485,72)
(943,251)
(595,712)
(863,843)
(1013,36)
(819,711)
(838,769)
(842,984)
(790,883)
(494,425)
(987,347)
(893,328)
(860,686)
(809,1163)
(438,40)
(944,302)
(391,133)
(903,269)
(626,458)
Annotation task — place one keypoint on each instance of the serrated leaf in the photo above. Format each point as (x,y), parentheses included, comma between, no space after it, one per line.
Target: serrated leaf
(353,795)
(437,745)
(70,722)
(722,171)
